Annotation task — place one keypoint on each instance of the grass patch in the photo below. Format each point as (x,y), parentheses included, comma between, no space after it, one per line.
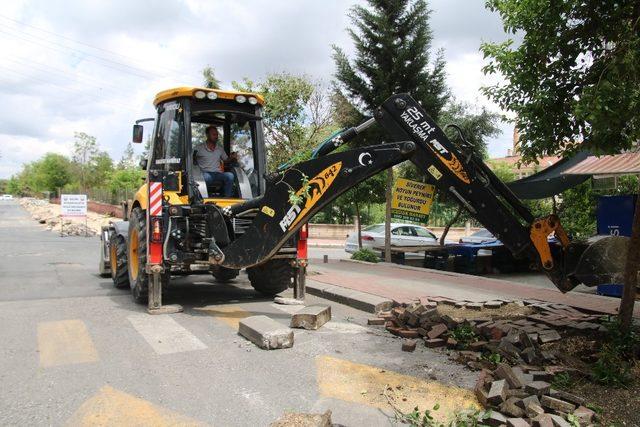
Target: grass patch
(365,254)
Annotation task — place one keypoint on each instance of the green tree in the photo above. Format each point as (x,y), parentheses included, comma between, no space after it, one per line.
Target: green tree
(85,148)
(296,115)
(392,43)
(502,170)
(127,180)
(210,79)
(50,173)
(101,168)
(574,83)
(128,157)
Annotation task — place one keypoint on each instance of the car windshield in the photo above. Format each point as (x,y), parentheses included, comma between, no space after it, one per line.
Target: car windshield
(482,233)
(377,228)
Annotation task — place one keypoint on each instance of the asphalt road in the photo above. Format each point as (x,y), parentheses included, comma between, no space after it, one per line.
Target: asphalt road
(77,351)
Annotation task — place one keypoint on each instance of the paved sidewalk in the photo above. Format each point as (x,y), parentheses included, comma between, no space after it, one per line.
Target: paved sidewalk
(325,243)
(404,284)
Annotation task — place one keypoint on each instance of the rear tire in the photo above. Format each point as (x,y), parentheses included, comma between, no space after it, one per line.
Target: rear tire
(137,257)
(223,274)
(272,277)
(118,260)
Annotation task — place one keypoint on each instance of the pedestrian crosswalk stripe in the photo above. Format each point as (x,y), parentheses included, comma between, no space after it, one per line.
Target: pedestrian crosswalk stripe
(65,342)
(229,314)
(164,334)
(111,407)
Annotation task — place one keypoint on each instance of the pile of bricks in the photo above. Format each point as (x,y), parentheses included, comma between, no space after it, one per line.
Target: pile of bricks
(518,388)
(522,396)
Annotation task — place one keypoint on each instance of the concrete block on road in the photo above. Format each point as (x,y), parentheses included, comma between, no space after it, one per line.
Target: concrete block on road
(311,317)
(266,333)
(356,299)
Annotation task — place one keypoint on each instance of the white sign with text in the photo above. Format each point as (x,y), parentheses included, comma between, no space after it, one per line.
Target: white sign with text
(73,204)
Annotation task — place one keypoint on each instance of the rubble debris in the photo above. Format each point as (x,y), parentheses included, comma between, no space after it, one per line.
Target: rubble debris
(48,214)
(266,333)
(311,317)
(511,344)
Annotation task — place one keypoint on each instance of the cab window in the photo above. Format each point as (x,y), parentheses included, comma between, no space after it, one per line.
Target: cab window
(168,147)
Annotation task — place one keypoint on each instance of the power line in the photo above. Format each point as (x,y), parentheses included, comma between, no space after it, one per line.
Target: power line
(75,94)
(135,71)
(100,84)
(80,42)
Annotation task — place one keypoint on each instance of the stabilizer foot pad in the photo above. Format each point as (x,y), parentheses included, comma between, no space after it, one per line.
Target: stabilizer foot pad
(166,309)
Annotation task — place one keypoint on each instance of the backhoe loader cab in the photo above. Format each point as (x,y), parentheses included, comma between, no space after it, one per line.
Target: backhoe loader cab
(175,223)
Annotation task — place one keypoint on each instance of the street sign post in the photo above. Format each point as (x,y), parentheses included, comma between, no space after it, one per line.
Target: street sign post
(411,200)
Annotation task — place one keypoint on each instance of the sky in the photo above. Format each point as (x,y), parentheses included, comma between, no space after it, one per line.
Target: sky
(95,66)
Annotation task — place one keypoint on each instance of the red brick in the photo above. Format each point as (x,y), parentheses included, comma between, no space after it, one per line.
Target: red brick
(435,342)
(437,330)
(408,345)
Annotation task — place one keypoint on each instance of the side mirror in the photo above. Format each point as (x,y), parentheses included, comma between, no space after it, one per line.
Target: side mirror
(138,130)
(143,164)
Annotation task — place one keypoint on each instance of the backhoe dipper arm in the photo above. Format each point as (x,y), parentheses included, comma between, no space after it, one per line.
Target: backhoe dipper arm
(469,180)
(313,184)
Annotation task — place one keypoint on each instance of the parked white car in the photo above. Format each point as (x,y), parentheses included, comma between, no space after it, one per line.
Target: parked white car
(6,197)
(401,235)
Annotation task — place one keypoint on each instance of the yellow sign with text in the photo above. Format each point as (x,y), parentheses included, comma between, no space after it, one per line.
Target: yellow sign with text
(411,200)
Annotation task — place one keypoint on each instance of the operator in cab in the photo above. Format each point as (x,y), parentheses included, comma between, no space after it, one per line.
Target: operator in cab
(210,157)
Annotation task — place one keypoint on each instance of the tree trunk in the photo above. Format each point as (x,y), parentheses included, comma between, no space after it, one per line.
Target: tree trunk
(387,217)
(631,272)
(449,224)
(359,227)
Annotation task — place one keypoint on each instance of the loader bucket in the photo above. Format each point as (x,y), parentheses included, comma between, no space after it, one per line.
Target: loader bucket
(602,262)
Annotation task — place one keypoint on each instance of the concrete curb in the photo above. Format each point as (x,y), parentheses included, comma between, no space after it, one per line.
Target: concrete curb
(356,299)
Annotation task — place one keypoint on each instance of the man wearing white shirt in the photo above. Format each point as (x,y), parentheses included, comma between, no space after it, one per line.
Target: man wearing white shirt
(210,157)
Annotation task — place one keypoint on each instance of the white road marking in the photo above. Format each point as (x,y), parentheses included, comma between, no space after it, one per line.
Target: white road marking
(164,334)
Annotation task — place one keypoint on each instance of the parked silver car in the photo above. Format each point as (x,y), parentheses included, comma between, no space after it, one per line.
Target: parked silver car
(401,235)
(481,236)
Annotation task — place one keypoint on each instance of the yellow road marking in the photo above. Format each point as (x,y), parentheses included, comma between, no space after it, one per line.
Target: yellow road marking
(364,384)
(65,342)
(229,314)
(111,407)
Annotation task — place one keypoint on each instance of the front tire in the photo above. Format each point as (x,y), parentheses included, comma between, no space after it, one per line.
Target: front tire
(118,261)
(223,274)
(271,277)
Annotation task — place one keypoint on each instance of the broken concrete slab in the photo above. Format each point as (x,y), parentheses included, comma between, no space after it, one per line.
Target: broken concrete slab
(360,300)
(266,333)
(311,317)
(375,321)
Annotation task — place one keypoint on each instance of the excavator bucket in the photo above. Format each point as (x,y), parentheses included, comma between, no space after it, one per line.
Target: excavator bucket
(601,262)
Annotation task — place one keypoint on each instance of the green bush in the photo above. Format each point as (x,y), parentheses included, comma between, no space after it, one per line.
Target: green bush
(365,255)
